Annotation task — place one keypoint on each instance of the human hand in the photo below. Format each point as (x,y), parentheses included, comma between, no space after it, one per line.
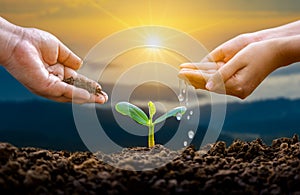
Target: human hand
(243,72)
(40,62)
(241,75)
(197,74)
(233,67)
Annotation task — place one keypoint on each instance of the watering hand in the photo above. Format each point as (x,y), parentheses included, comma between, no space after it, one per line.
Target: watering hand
(197,74)
(239,65)
(249,67)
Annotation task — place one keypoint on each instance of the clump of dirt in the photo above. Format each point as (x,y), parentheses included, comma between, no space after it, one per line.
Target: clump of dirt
(139,158)
(84,84)
(241,168)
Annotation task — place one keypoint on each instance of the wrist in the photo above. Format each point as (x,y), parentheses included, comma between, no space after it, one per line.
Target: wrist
(10,35)
(287,50)
(290,29)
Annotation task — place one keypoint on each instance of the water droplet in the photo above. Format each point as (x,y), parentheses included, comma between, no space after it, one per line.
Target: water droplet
(191,134)
(178,116)
(185,143)
(188,117)
(191,112)
(183,91)
(180,97)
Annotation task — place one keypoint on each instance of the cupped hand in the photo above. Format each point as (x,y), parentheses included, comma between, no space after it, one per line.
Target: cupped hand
(246,70)
(239,65)
(234,73)
(198,73)
(40,62)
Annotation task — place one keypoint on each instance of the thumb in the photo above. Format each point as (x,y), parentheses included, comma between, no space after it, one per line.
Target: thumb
(67,58)
(217,81)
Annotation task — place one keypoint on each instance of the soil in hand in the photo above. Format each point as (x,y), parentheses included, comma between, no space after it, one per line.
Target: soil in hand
(84,84)
(241,168)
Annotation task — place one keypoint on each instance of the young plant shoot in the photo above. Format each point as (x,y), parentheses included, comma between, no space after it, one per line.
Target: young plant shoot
(139,116)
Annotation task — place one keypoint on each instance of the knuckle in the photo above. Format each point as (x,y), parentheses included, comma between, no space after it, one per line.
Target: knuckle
(243,96)
(244,39)
(240,91)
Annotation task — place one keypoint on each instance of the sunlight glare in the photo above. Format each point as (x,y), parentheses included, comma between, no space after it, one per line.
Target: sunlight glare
(153,42)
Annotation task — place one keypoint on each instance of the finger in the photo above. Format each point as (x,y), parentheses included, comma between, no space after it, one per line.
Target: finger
(67,58)
(81,96)
(57,70)
(59,88)
(232,88)
(210,71)
(69,72)
(65,99)
(100,99)
(214,56)
(49,50)
(200,65)
(59,99)
(84,82)
(188,73)
(223,74)
(195,77)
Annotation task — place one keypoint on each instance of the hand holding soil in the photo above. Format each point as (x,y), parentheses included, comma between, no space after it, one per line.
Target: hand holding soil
(91,86)
(41,62)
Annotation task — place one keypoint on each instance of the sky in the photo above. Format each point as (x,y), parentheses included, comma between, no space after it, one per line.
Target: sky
(81,24)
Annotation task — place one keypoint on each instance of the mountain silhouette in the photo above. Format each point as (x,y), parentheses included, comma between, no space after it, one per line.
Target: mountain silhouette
(47,124)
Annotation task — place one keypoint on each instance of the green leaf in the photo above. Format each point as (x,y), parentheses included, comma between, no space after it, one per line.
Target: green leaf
(170,113)
(133,112)
(152,109)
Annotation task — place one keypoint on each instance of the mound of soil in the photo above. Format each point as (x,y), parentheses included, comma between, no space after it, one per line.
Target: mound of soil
(241,168)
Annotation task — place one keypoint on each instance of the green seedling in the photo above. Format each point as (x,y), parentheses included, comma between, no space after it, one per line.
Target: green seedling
(139,116)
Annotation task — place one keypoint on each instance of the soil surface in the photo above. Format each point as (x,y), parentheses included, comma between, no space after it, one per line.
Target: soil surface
(84,84)
(241,168)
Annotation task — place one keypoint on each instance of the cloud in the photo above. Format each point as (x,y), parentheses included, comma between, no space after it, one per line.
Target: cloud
(284,82)
(286,86)
(257,5)
(132,7)
(48,8)
(288,70)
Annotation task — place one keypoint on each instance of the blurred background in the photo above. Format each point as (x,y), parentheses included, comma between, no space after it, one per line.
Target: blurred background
(271,111)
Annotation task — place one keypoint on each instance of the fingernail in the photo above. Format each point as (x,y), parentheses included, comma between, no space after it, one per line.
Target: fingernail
(183,64)
(209,85)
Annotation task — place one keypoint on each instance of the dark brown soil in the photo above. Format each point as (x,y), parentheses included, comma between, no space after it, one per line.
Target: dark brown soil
(84,84)
(241,168)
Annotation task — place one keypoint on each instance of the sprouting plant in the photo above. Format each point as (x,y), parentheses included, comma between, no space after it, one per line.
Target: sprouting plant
(140,117)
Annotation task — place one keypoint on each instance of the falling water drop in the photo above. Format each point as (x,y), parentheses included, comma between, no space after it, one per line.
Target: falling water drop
(186,103)
(188,117)
(183,90)
(191,112)
(185,143)
(191,134)
(180,97)
(178,116)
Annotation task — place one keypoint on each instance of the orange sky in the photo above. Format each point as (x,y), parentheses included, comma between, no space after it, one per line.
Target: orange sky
(80,24)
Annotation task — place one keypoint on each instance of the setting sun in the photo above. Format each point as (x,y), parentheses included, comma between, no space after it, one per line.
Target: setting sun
(153,42)
(140,110)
